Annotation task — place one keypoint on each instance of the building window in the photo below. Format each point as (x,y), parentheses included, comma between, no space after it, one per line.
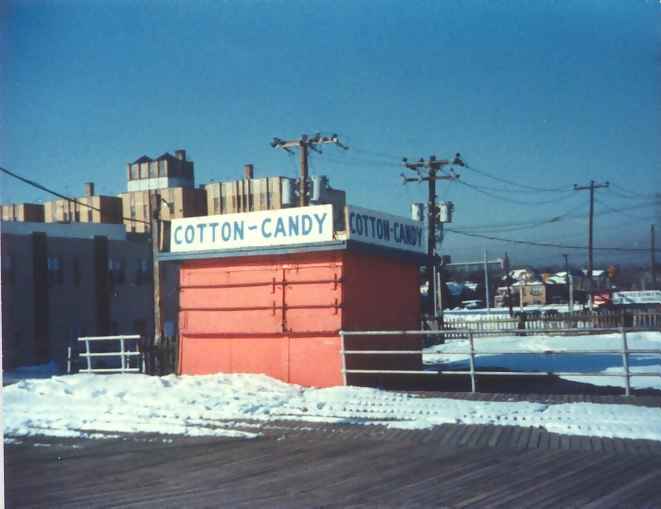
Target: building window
(55,271)
(135,171)
(76,216)
(142,272)
(216,204)
(117,271)
(162,168)
(90,216)
(153,169)
(132,211)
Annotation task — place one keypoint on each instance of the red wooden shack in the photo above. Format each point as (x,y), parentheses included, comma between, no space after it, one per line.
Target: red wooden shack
(278,311)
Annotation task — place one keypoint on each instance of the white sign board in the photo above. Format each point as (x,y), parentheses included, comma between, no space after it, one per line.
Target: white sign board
(648,297)
(395,232)
(282,227)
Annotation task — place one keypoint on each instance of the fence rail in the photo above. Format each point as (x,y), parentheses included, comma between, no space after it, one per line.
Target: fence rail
(123,354)
(625,352)
(531,323)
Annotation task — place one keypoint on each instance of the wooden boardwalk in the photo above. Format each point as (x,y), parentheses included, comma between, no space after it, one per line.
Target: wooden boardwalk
(321,465)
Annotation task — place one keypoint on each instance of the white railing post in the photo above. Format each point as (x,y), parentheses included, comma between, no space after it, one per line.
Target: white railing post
(625,363)
(344,359)
(68,360)
(121,350)
(142,354)
(89,357)
(472,360)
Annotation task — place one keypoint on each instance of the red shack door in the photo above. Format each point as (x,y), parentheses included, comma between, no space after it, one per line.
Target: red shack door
(278,316)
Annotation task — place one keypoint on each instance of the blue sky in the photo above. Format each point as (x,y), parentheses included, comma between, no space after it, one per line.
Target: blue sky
(545,94)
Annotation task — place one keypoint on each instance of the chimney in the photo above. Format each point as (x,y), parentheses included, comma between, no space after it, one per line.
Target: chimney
(248,171)
(89,188)
(180,154)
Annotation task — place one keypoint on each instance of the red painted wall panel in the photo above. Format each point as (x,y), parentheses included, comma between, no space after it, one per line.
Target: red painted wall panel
(247,321)
(204,355)
(279,315)
(261,355)
(315,361)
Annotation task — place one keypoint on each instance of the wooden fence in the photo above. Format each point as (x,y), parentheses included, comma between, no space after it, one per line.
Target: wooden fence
(535,324)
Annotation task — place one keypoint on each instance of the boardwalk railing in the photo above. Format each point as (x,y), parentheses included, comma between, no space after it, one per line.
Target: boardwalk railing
(124,354)
(535,323)
(625,351)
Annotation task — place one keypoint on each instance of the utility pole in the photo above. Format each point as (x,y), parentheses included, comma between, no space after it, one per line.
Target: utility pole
(431,168)
(506,267)
(486,279)
(155,217)
(591,187)
(652,257)
(569,284)
(304,144)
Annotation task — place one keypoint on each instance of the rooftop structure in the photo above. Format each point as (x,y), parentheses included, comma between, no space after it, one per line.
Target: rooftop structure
(167,170)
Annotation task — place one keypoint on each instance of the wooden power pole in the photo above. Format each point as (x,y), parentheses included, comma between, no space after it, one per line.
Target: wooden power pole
(304,144)
(155,207)
(429,171)
(591,187)
(652,257)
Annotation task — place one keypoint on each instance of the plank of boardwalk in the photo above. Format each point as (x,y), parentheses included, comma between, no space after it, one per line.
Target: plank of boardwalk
(605,477)
(450,438)
(642,491)
(554,481)
(535,436)
(516,470)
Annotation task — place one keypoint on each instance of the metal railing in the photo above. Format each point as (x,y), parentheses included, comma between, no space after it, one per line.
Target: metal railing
(124,355)
(624,351)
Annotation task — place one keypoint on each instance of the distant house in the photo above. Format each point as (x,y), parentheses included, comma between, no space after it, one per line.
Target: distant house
(528,287)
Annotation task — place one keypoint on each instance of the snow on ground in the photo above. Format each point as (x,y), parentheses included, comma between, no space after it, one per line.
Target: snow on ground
(532,358)
(96,406)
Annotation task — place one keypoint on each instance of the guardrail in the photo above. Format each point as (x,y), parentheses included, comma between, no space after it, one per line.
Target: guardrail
(124,355)
(625,352)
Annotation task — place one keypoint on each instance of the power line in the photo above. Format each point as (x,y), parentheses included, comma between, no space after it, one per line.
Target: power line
(60,195)
(632,194)
(512,200)
(517,184)
(611,210)
(353,161)
(549,244)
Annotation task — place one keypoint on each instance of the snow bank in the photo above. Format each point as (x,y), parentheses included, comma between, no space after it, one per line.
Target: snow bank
(529,356)
(98,405)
